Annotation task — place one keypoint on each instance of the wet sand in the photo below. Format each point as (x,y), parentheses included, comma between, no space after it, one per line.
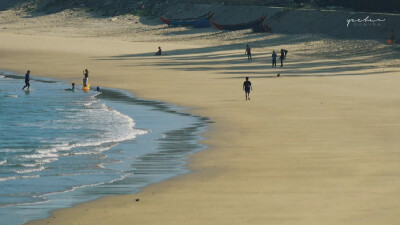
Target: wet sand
(318,145)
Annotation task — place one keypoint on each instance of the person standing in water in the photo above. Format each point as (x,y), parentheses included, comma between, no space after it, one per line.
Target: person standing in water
(274,59)
(86,79)
(247,87)
(248,52)
(27,79)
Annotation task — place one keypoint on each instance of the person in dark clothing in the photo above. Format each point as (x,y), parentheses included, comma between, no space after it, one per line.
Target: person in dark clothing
(247,87)
(248,52)
(282,57)
(86,79)
(284,52)
(274,59)
(27,79)
(159,51)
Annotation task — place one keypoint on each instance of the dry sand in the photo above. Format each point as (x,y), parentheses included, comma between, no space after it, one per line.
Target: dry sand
(319,145)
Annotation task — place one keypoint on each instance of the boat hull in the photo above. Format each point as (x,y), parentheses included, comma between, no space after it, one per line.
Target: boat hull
(241,26)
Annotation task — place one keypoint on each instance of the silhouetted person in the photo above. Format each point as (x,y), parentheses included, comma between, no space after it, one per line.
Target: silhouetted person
(248,52)
(282,57)
(274,59)
(159,51)
(86,78)
(247,87)
(27,79)
(284,52)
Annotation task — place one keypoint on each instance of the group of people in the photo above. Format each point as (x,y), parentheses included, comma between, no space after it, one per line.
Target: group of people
(274,55)
(247,87)
(247,84)
(85,81)
(282,57)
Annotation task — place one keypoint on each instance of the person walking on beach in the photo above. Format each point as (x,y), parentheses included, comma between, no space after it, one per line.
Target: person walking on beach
(248,52)
(274,59)
(27,79)
(247,87)
(86,78)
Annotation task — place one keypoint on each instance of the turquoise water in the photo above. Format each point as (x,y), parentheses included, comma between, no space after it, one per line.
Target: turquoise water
(59,148)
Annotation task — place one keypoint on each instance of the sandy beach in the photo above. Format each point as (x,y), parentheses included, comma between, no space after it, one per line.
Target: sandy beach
(318,145)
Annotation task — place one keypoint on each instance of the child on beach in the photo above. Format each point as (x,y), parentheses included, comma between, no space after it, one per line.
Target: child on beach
(247,87)
(72,88)
(27,79)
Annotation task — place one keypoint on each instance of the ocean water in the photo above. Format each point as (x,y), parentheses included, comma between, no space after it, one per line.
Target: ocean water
(59,148)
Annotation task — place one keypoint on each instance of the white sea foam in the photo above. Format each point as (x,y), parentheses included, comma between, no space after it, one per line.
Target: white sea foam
(101,165)
(8,150)
(4,74)
(44,161)
(96,150)
(32,203)
(40,168)
(83,186)
(4,77)
(90,102)
(30,165)
(59,127)
(42,157)
(7,178)
(17,177)
(112,126)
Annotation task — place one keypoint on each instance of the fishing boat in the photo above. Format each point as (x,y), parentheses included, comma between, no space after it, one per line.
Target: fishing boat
(186,21)
(240,26)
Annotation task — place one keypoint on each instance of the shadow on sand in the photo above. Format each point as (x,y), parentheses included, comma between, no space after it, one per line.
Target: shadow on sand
(230,59)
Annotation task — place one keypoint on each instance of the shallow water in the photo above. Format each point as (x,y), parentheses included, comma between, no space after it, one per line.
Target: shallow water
(58,148)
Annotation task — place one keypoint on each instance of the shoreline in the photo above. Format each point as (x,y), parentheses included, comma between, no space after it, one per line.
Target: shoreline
(305,150)
(183,134)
